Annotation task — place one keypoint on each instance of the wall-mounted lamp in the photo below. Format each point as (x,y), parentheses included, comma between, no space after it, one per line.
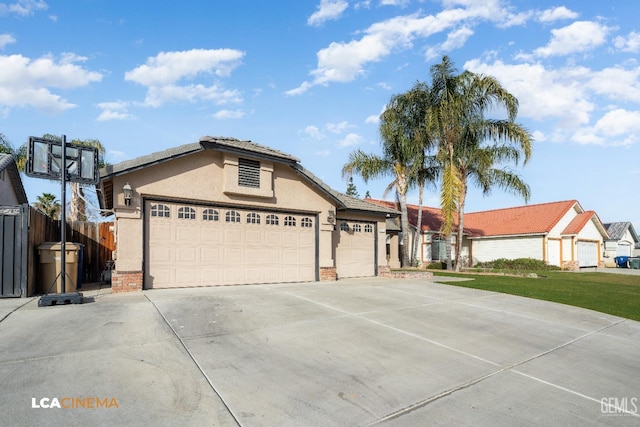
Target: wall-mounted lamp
(331,219)
(128,193)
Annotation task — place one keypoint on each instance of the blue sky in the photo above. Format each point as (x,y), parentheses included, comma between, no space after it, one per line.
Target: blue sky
(311,77)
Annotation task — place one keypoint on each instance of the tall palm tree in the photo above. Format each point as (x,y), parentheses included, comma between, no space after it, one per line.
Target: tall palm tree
(48,204)
(399,157)
(458,121)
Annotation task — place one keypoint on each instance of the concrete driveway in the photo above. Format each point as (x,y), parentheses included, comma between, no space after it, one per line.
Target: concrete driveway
(348,353)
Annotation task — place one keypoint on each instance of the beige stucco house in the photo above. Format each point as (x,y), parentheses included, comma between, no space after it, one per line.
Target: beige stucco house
(223,211)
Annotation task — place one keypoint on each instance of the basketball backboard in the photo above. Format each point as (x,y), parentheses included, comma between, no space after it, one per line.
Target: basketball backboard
(45,161)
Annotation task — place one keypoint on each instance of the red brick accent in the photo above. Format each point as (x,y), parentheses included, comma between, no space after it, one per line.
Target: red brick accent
(328,274)
(383,270)
(126,281)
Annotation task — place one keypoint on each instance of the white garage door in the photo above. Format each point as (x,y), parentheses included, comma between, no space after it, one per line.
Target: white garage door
(191,245)
(623,249)
(355,249)
(553,252)
(588,254)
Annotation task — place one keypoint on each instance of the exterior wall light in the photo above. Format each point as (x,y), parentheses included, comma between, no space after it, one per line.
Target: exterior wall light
(331,219)
(128,193)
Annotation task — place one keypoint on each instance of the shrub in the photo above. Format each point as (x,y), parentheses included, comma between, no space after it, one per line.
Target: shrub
(518,264)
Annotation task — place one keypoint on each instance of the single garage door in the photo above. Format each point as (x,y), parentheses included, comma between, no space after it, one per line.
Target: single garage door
(194,245)
(588,254)
(553,252)
(623,249)
(355,249)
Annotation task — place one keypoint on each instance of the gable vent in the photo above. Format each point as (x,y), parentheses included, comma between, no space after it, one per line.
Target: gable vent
(249,173)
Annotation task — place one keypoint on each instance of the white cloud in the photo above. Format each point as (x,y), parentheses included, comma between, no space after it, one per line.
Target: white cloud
(630,43)
(401,3)
(6,39)
(345,61)
(580,36)
(327,10)
(616,127)
(28,83)
(617,83)
(314,132)
(556,14)
(338,127)
(229,114)
(116,110)
(350,140)
(169,67)
(375,118)
(455,40)
(23,7)
(162,73)
(544,94)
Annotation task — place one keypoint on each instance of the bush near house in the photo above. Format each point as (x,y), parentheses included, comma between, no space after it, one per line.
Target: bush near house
(518,264)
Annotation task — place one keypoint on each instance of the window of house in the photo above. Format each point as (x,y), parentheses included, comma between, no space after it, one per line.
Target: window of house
(438,249)
(306,223)
(160,211)
(272,219)
(368,228)
(289,221)
(209,215)
(248,173)
(357,228)
(344,226)
(253,218)
(186,212)
(232,216)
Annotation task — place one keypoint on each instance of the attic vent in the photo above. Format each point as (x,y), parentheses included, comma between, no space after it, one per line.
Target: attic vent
(249,173)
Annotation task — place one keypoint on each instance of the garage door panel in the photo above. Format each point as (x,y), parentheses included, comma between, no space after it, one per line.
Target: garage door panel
(355,249)
(206,250)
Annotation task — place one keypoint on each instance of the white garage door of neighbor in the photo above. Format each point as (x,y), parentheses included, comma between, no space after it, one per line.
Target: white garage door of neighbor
(553,252)
(588,254)
(623,249)
(355,249)
(193,245)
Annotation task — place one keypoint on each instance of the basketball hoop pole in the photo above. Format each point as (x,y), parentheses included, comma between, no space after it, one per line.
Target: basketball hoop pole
(63,213)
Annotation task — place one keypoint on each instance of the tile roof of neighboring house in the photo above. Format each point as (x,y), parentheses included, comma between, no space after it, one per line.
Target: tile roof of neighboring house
(520,220)
(577,224)
(7,162)
(431,217)
(617,230)
(238,147)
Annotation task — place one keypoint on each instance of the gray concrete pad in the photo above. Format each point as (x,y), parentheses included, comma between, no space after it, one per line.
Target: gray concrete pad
(352,352)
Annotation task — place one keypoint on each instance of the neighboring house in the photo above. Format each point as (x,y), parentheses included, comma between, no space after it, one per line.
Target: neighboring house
(622,241)
(223,211)
(11,188)
(559,233)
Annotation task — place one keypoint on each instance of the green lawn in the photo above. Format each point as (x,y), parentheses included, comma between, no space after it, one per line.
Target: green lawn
(616,294)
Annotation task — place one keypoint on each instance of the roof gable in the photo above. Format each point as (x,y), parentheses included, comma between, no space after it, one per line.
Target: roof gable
(617,230)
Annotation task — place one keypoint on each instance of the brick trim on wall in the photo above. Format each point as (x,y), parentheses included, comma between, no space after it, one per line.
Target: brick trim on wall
(328,274)
(126,281)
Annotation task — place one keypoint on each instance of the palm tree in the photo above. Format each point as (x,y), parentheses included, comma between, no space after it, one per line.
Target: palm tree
(399,158)
(458,121)
(19,154)
(49,205)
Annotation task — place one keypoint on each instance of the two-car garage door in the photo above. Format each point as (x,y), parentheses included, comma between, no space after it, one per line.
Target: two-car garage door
(195,245)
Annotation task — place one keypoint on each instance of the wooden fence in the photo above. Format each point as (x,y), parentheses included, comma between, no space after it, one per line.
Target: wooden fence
(96,237)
